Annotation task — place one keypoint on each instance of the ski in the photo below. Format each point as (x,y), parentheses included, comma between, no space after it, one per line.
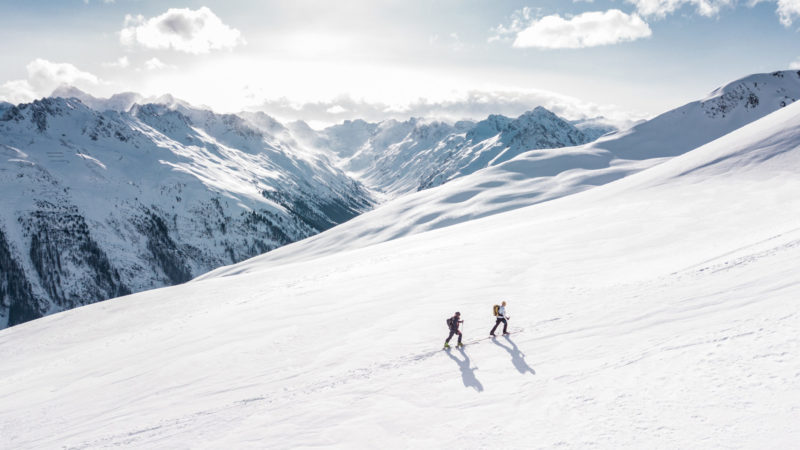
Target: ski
(475,341)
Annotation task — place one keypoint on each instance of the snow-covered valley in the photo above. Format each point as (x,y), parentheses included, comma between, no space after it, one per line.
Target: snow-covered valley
(658,310)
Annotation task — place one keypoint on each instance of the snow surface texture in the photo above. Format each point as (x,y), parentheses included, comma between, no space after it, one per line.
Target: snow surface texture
(101,204)
(657,311)
(542,175)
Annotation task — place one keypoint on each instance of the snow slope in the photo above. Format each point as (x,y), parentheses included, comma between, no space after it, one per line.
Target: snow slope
(657,311)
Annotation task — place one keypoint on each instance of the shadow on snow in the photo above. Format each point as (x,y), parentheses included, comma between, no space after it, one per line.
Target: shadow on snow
(517,357)
(467,372)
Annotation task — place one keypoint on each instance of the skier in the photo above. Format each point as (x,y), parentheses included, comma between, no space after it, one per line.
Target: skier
(453,323)
(500,313)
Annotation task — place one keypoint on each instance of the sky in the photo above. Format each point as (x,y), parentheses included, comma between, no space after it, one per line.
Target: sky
(325,61)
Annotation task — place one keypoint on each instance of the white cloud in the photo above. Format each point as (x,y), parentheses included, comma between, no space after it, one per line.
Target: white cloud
(474,105)
(520,20)
(44,77)
(661,8)
(336,109)
(121,62)
(155,64)
(183,29)
(788,11)
(17,91)
(452,41)
(589,29)
(795,65)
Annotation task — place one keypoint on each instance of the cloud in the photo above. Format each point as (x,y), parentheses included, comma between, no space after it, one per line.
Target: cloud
(122,62)
(156,64)
(472,105)
(788,11)
(589,29)
(336,109)
(451,42)
(520,20)
(795,65)
(183,30)
(43,77)
(661,8)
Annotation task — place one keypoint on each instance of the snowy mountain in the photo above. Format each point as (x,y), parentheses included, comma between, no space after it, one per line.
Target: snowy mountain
(101,204)
(399,157)
(541,175)
(656,311)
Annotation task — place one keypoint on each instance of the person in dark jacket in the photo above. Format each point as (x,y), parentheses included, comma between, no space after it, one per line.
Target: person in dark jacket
(502,317)
(453,323)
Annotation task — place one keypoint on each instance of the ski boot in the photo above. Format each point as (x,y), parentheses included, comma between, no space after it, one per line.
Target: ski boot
(460,345)
(446,346)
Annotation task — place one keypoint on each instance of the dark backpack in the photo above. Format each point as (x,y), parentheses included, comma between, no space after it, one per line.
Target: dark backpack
(450,323)
(496,310)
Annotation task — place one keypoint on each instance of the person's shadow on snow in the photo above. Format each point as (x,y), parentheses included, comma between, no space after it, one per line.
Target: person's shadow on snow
(467,372)
(517,357)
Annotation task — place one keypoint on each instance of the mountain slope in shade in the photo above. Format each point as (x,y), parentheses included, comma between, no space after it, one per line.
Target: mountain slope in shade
(658,311)
(100,204)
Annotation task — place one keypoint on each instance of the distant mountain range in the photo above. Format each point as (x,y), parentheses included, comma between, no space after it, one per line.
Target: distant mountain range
(399,157)
(106,197)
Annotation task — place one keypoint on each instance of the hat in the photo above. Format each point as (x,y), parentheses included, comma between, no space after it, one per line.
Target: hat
(458,313)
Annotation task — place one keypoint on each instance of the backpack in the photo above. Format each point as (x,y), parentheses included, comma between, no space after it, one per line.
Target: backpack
(496,310)
(450,323)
